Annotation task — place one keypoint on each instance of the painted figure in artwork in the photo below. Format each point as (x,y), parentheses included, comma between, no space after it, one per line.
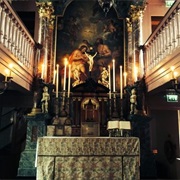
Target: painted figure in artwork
(78,59)
(90,61)
(45,99)
(103,57)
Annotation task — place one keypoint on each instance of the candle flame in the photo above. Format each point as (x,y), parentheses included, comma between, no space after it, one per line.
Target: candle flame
(7,72)
(11,66)
(172,68)
(65,61)
(125,74)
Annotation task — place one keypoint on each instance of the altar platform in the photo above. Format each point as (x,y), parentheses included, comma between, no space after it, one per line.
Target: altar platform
(88,158)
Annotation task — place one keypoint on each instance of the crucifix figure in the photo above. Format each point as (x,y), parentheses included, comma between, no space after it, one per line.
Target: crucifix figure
(91,60)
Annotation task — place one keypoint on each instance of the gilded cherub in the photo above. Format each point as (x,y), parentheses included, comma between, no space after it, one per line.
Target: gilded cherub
(45,99)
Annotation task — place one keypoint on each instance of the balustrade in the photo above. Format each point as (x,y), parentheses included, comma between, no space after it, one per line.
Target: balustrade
(165,39)
(15,37)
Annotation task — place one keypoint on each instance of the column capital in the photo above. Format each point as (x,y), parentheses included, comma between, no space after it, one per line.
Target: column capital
(136,12)
(46,9)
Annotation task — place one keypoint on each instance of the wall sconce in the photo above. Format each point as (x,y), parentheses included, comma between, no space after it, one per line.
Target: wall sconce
(7,80)
(175,82)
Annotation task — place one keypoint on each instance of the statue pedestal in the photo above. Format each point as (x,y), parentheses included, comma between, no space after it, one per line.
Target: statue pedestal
(36,127)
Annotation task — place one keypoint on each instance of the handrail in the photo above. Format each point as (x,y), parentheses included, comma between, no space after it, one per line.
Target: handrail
(165,39)
(15,37)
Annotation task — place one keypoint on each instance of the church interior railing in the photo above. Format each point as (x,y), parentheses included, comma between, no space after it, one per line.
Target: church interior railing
(16,43)
(162,48)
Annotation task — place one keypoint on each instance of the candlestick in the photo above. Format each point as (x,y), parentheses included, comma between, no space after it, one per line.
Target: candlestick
(42,71)
(135,73)
(69,80)
(65,65)
(57,80)
(45,63)
(109,69)
(121,86)
(114,80)
(125,79)
(54,77)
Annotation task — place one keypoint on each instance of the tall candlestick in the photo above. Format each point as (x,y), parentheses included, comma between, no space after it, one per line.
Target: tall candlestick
(109,69)
(69,80)
(57,80)
(45,63)
(42,71)
(135,73)
(65,66)
(121,86)
(114,79)
(54,77)
(125,79)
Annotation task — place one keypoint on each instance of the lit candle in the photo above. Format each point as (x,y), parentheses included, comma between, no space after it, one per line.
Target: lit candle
(57,80)
(65,65)
(174,73)
(10,67)
(109,69)
(42,71)
(121,84)
(6,74)
(114,80)
(135,73)
(69,80)
(125,79)
(54,77)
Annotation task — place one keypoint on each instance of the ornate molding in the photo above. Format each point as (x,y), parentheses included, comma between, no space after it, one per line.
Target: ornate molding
(136,12)
(46,9)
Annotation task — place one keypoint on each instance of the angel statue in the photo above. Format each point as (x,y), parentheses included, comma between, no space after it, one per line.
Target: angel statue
(104,77)
(45,99)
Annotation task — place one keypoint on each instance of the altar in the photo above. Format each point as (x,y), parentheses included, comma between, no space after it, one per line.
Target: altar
(85,158)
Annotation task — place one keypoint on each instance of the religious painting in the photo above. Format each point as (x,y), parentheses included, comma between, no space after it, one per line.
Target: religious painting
(89,39)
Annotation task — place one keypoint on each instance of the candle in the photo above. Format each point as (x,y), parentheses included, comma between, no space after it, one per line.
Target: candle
(135,73)
(69,80)
(42,71)
(54,77)
(57,80)
(109,69)
(65,65)
(125,76)
(114,80)
(174,73)
(10,67)
(45,63)
(6,74)
(121,86)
